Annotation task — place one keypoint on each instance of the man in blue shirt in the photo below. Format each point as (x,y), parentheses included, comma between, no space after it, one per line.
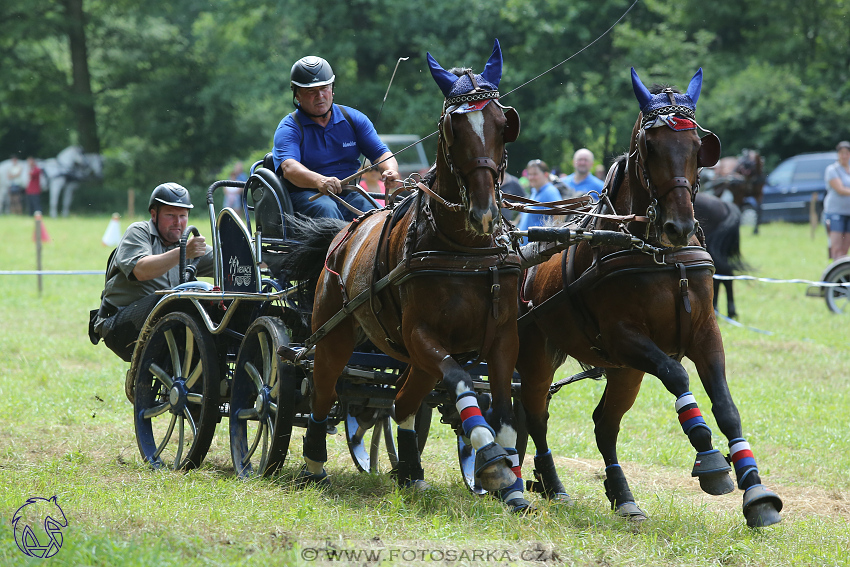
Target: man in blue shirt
(321,142)
(541,190)
(582,181)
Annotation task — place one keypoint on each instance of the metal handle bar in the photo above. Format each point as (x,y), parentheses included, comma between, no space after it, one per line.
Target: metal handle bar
(188,272)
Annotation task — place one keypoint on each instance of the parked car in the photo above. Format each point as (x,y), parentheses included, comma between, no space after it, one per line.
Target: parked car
(411,160)
(789,188)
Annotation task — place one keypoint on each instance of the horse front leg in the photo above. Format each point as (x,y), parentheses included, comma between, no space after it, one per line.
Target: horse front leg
(536,368)
(500,416)
(492,466)
(761,506)
(621,390)
(709,466)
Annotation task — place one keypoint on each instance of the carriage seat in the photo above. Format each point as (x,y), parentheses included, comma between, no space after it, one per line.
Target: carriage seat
(271,200)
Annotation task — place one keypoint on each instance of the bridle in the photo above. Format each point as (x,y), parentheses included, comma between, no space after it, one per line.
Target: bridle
(461,172)
(707,156)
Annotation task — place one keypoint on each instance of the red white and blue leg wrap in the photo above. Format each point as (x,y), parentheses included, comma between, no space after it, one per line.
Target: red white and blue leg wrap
(742,459)
(470,413)
(516,489)
(689,414)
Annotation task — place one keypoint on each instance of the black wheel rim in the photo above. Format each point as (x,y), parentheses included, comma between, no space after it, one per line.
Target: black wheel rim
(176,393)
(262,402)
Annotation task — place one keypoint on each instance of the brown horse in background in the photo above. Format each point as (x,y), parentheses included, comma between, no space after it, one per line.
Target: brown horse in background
(743,177)
(445,274)
(633,312)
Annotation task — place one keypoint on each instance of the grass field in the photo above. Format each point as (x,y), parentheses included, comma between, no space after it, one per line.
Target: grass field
(66,430)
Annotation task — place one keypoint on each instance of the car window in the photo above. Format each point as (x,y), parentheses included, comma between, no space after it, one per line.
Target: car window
(811,170)
(782,174)
(411,160)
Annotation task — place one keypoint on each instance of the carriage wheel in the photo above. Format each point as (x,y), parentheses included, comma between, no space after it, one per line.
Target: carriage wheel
(358,424)
(838,298)
(177,393)
(262,404)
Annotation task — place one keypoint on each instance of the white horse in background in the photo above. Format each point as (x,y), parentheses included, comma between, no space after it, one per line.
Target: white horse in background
(6,181)
(64,173)
(60,176)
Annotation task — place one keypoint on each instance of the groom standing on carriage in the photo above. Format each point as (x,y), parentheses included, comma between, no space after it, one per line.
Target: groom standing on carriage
(320,143)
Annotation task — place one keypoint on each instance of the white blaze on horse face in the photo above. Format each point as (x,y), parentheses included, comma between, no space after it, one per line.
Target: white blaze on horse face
(486,219)
(476,120)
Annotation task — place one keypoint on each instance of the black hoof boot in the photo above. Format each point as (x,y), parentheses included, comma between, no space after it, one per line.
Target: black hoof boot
(712,470)
(305,478)
(513,498)
(492,468)
(618,493)
(409,473)
(546,480)
(761,506)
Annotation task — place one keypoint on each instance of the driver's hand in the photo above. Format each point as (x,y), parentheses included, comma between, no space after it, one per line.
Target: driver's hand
(391,179)
(196,247)
(330,185)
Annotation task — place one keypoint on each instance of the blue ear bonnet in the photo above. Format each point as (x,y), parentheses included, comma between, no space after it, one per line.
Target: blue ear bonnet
(453,86)
(463,85)
(652,102)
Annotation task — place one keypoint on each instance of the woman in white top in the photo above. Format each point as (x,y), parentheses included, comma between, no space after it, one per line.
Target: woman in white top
(836,204)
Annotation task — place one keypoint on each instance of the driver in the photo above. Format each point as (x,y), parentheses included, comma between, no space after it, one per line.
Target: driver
(146,260)
(321,142)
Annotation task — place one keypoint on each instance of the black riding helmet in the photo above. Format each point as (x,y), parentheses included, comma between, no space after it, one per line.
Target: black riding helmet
(172,194)
(310,71)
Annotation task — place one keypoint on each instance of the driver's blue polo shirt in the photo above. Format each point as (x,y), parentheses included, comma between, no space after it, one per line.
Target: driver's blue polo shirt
(333,150)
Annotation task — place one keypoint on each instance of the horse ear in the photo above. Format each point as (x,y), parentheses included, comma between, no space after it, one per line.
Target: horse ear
(709,150)
(512,124)
(493,70)
(641,92)
(695,87)
(443,78)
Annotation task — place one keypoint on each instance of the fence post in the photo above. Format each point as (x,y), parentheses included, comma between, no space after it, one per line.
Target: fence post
(813,214)
(131,204)
(38,230)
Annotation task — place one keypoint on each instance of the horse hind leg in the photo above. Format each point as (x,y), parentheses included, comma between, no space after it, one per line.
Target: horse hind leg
(416,384)
(730,300)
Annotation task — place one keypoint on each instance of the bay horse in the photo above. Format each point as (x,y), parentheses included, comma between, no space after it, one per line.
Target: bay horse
(632,312)
(445,274)
(721,223)
(743,177)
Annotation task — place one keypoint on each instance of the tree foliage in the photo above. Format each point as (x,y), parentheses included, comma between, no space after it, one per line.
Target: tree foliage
(182,89)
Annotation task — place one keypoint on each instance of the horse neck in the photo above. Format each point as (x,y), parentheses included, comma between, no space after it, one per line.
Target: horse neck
(631,197)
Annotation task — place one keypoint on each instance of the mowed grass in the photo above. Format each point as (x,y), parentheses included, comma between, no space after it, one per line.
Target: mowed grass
(66,429)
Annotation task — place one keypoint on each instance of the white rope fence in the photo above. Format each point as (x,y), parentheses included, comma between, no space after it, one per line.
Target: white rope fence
(774,280)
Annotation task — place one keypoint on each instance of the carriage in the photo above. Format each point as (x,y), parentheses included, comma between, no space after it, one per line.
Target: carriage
(209,352)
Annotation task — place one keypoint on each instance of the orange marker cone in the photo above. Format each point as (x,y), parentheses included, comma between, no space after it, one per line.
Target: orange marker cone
(113,231)
(43,237)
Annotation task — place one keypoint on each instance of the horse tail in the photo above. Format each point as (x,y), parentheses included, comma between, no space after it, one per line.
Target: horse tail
(308,242)
(724,243)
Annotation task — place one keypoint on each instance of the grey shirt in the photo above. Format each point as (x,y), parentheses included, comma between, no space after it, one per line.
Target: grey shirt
(142,239)
(833,203)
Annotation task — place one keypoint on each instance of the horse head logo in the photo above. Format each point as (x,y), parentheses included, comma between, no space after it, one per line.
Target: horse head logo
(38,527)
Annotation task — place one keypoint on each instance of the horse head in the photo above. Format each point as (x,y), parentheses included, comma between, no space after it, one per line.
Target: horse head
(473,134)
(665,155)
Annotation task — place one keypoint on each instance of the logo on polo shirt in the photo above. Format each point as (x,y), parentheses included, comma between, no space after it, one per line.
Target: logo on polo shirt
(349,144)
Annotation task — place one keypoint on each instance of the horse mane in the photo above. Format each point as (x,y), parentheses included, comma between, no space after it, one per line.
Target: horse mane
(661,87)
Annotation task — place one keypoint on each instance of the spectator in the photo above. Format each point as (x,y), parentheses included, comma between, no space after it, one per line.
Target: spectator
(581,181)
(836,204)
(33,191)
(541,190)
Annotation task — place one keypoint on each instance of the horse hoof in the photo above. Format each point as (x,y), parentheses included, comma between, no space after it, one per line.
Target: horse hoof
(520,506)
(716,484)
(761,506)
(561,499)
(305,478)
(418,485)
(631,512)
(492,468)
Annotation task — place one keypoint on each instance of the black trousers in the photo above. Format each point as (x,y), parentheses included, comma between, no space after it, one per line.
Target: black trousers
(121,330)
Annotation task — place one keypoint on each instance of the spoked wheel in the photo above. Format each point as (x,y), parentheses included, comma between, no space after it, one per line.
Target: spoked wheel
(838,298)
(177,393)
(358,423)
(263,401)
